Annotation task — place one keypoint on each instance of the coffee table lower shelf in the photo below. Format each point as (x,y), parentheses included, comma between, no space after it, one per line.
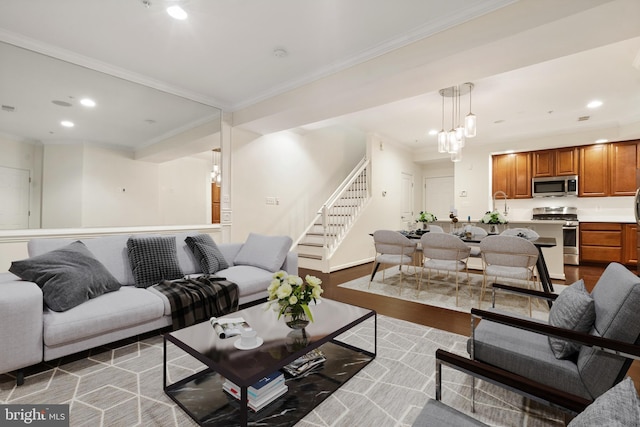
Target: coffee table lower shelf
(201,395)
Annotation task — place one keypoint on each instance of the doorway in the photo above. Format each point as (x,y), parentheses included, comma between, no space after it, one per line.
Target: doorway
(438,196)
(14,198)
(406,197)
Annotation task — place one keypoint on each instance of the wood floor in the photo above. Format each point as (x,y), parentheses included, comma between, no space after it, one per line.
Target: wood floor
(448,320)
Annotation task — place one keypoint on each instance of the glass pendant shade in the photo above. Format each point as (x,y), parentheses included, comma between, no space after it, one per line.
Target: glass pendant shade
(456,156)
(454,144)
(470,125)
(460,136)
(442,141)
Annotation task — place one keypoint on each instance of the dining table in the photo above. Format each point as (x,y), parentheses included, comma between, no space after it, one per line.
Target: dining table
(539,243)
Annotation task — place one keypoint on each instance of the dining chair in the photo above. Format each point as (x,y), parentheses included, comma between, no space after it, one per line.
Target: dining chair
(526,233)
(508,257)
(393,248)
(435,229)
(478,233)
(443,251)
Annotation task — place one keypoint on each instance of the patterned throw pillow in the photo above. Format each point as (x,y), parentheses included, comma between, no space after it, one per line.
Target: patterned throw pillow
(207,253)
(153,259)
(573,309)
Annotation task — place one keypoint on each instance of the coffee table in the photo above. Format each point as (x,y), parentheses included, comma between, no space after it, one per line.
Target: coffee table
(201,396)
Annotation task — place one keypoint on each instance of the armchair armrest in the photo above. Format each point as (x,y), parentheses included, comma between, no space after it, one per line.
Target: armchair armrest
(620,348)
(505,379)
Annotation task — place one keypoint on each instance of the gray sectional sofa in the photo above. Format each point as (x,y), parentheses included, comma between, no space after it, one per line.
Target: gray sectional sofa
(32,332)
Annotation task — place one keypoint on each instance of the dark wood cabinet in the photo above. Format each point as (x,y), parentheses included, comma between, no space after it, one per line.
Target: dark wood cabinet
(512,175)
(600,242)
(623,161)
(215,203)
(630,244)
(557,162)
(594,171)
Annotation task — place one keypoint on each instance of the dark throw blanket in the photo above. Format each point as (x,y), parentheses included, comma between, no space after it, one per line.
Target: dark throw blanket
(197,299)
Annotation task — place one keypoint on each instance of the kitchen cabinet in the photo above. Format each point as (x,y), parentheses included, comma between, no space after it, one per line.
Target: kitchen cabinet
(630,244)
(623,161)
(557,162)
(215,203)
(600,242)
(594,171)
(512,175)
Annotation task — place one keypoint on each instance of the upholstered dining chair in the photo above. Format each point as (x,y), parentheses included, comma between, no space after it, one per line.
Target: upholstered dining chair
(393,248)
(435,229)
(526,233)
(508,257)
(444,252)
(478,233)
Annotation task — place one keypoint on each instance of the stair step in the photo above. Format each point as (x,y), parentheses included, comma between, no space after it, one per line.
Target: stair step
(315,245)
(309,256)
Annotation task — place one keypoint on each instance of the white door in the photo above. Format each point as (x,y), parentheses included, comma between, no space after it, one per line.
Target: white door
(14,198)
(438,196)
(406,194)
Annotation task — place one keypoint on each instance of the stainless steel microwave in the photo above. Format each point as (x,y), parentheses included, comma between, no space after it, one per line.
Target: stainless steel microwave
(555,186)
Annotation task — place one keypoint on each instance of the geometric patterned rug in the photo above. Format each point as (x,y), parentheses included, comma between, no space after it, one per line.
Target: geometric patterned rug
(441,291)
(121,384)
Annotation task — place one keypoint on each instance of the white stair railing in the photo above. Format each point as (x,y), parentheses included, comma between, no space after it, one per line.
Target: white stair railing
(340,210)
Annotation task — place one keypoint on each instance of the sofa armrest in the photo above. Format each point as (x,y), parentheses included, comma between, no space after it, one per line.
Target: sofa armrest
(291,263)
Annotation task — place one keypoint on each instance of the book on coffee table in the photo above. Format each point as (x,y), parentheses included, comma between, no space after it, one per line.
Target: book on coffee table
(229,327)
(263,392)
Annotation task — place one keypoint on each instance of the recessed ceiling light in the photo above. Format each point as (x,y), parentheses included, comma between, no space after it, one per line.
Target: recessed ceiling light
(88,102)
(176,12)
(67,123)
(601,141)
(594,104)
(433,132)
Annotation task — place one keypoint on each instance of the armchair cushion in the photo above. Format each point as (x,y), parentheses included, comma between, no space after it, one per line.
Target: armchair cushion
(618,407)
(573,309)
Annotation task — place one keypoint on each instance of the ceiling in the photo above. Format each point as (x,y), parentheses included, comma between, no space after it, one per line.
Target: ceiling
(374,65)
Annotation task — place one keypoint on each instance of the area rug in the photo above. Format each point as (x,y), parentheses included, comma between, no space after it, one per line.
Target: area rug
(441,291)
(121,385)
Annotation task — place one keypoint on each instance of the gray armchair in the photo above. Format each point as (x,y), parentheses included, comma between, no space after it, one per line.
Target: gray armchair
(522,355)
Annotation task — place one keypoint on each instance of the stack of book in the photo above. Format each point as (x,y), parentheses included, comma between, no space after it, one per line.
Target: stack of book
(261,393)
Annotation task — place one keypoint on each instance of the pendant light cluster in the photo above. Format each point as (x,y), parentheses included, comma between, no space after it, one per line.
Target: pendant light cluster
(453,141)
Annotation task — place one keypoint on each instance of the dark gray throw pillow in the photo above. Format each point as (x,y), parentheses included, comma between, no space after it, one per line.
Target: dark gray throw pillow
(68,276)
(207,253)
(573,309)
(153,259)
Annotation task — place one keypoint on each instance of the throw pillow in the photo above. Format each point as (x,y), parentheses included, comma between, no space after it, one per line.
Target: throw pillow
(267,252)
(68,276)
(573,309)
(153,259)
(207,253)
(617,407)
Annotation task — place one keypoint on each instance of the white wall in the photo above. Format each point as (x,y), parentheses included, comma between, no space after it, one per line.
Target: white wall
(300,171)
(23,155)
(90,186)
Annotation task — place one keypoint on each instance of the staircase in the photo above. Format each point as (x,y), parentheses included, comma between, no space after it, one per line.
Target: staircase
(332,222)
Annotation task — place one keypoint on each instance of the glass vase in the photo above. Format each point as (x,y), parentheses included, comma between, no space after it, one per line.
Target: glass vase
(296,318)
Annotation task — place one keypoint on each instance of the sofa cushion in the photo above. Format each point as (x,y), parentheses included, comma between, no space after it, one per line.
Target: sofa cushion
(618,407)
(68,276)
(116,310)
(153,259)
(111,251)
(249,279)
(267,252)
(573,309)
(206,253)
(187,261)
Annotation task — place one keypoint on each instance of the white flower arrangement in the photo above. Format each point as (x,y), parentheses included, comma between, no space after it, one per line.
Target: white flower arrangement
(494,217)
(426,217)
(289,294)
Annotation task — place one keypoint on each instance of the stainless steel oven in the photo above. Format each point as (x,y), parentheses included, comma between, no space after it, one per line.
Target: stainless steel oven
(570,229)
